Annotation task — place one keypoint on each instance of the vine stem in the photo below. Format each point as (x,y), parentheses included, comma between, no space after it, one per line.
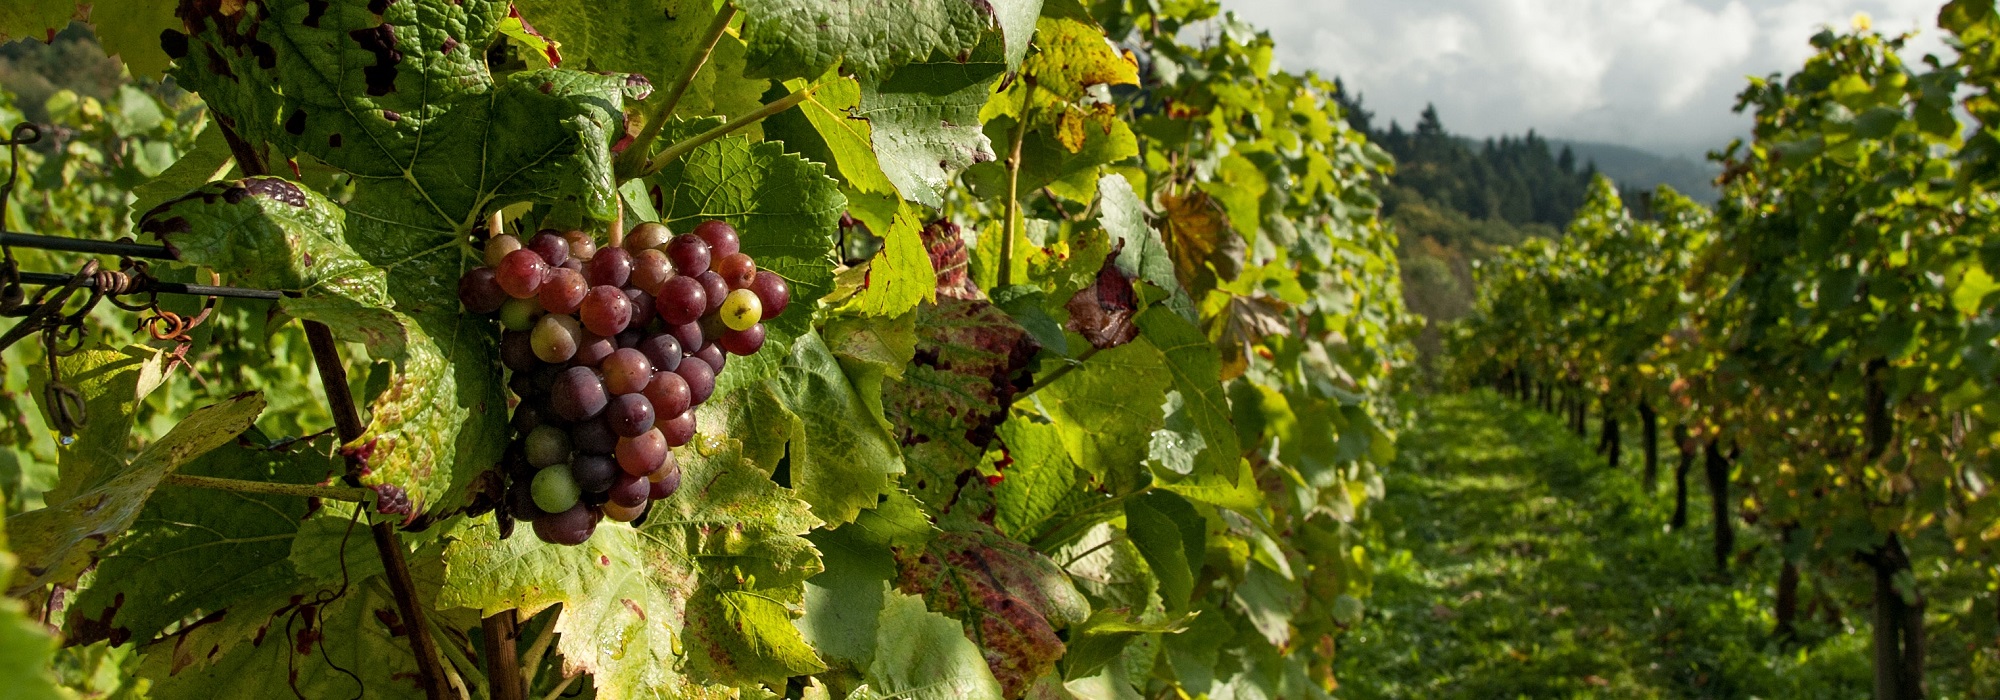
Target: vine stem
(560,687)
(532,662)
(500,632)
(1059,372)
(675,151)
(331,493)
(1012,227)
(333,380)
(637,151)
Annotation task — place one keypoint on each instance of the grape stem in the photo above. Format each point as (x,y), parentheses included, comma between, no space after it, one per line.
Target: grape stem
(636,153)
(330,493)
(532,662)
(560,687)
(683,148)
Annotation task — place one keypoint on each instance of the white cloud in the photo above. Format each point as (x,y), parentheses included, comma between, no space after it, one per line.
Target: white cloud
(1659,74)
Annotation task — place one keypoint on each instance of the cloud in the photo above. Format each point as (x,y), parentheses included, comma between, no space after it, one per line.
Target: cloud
(1658,74)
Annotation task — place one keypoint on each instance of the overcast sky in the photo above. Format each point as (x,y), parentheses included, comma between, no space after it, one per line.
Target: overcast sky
(1657,74)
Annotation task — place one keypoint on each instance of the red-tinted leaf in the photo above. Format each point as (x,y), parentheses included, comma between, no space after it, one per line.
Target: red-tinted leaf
(1102,312)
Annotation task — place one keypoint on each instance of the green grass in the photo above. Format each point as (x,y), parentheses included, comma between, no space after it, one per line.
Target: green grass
(1518,565)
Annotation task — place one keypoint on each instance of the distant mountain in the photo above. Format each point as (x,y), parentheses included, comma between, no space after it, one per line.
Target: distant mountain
(1632,168)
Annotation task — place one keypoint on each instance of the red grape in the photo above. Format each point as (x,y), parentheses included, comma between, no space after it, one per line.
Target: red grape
(715,289)
(581,245)
(744,342)
(680,430)
(551,246)
(612,266)
(689,253)
(578,395)
(479,290)
(643,454)
(644,307)
(682,300)
(663,350)
(689,335)
(593,351)
(626,371)
(650,270)
(737,271)
(606,311)
(562,291)
(700,378)
(665,481)
(651,234)
(720,237)
(712,355)
(773,291)
(521,273)
(668,393)
(631,491)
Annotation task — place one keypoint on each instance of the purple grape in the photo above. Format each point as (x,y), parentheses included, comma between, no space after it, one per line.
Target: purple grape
(773,291)
(521,502)
(668,393)
(650,269)
(553,248)
(682,300)
(745,342)
(700,378)
(594,473)
(626,371)
(679,430)
(689,253)
(578,395)
(562,292)
(689,335)
(713,356)
(593,437)
(517,351)
(480,292)
(631,491)
(526,418)
(581,245)
(521,273)
(569,528)
(644,308)
(629,415)
(606,311)
(665,481)
(593,350)
(720,237)
(644,453)
(612,266)
(714,290)
(663,350)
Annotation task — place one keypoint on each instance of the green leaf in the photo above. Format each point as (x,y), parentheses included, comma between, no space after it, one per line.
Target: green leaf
(869,38)
(872,349)
(268,233)
(626,592)
(1172,537)
(655,38)
(830,109)
(58,542)
(925,122)
(34,19)
(27,649)
(922,655)
(1142,254)
(1099,640)
(1040,478)
(751,639)
(844,601)
(193,552)
(207,161)
(130,30)
(1107,409)
(1204,409)
(111,384)
(838,464)
(1268,600)
(900,276)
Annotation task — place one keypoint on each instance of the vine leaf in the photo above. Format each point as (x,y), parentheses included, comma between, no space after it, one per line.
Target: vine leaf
(27,649)
(1102,312)
(1204,414)
(192,553)
(900,276)
(1071,132)
(922,655)
(967,366)
(58,542)
(1201,240)
(1011,599)
(654,38)
(627,593)
(1107,409)
(870,38)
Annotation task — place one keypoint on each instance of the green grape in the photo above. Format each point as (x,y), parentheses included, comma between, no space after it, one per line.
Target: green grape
(555,489)
(741,310)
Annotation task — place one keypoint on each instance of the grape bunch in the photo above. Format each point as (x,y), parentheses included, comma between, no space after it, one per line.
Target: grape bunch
(609,351)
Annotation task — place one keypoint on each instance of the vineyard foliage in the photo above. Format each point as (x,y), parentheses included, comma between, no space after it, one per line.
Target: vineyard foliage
(1085,392)
(1828,331)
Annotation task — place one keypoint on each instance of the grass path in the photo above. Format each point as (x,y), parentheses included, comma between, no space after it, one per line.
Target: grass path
(1518,565)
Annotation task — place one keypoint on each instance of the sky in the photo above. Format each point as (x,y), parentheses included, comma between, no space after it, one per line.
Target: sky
(1661,75)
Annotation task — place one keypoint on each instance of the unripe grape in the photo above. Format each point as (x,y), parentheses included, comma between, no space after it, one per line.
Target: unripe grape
(743,342)
(612,266)
(720,237)
(741,310)
(650,270)
(520,314)
(689,253)
(555,489)
(581,245)
(630,491)
(553,248)
(578,395)
(569,528)
(479,290)
(521,273)
(773,291)
(556,338)
(498,247)
(548,446)
(682,300)
(562,291)
(648,235)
